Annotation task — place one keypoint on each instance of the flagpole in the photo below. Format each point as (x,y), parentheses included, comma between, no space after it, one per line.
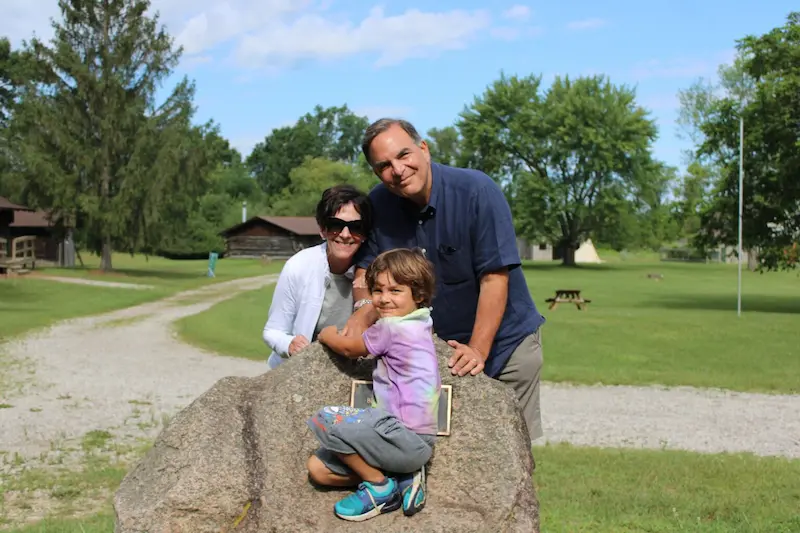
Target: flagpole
(741,196)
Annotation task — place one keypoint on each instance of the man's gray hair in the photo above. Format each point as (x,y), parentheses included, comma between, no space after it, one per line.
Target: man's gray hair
(383,124)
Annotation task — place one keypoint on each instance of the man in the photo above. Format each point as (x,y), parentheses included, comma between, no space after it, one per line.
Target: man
(462,222)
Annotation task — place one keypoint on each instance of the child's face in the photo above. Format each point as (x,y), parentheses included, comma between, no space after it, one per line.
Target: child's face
(390,298)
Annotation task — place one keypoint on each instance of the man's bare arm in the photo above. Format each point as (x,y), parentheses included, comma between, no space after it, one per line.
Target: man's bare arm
(470,358)
(366,315)
(360,289)
(491,307)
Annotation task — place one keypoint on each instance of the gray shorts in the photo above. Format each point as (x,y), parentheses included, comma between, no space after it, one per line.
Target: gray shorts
(378,437)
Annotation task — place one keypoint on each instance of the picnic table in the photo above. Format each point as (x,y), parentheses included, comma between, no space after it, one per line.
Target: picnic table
(568,296)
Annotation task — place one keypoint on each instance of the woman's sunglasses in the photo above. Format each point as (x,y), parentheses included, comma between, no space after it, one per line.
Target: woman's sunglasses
(336,226)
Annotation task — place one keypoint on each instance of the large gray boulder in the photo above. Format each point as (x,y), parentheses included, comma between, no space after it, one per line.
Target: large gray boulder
(234,460)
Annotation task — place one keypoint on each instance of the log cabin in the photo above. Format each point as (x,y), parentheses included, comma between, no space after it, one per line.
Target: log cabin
(274,237)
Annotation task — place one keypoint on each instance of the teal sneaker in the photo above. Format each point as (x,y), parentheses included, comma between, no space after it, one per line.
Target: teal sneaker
(412,487)
(369,501)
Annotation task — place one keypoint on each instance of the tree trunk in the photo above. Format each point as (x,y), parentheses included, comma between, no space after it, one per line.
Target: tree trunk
(752,259)
(105,260)
(569,256)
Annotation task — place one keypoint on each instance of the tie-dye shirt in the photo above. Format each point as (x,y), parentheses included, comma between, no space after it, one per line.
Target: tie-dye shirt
(406,380)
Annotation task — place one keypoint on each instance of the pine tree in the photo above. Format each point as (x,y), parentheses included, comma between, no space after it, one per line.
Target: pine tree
(96,146)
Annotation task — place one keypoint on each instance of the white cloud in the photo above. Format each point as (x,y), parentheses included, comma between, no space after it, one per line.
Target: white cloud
(518,12)
(586,24)
(268,35)
(392,38)
(228,20)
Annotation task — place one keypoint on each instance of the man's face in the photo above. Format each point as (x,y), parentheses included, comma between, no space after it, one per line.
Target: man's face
(402,166)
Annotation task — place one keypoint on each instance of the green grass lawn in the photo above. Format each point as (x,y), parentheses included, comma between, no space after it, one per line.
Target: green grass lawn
(584,490)
(28,303)
(682,330)
(595,490)
(232,327)
(161,272)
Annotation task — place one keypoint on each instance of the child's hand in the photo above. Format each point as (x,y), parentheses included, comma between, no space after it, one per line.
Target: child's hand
(327,333)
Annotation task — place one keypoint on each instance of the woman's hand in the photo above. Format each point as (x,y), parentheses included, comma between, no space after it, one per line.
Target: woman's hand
(297,344)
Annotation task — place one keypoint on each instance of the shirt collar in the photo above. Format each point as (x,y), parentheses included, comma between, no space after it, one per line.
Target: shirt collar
(429,210)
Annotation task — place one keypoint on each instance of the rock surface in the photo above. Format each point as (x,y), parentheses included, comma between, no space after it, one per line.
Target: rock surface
(234,460)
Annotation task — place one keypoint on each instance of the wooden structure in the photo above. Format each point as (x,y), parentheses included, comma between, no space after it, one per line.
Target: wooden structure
(568,296)
(47,238)
(15,253)
(274,237)
(362,396)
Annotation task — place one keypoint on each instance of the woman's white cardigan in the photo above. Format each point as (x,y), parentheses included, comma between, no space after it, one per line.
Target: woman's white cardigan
(297,300)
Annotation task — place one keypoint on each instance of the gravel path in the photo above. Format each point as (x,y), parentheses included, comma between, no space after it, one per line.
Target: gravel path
(125,372)
(685,418)
(97,283)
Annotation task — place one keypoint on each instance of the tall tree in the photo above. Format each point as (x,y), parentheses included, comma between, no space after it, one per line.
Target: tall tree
(333,133)
(445,145)
(559,152)
(690,197)
(8,79)
(698,101)
(95,144)
(771,218)
(310,179)
(13,70)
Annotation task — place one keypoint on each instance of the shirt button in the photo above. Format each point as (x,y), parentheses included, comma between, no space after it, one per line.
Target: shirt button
(420,221)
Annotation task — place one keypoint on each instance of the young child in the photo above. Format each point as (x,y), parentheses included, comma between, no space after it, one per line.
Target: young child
(383,449)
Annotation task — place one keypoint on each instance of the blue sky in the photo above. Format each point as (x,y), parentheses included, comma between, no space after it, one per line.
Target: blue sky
(261,64)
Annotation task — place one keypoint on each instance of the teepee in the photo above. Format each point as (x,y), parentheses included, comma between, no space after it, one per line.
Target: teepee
(587,253)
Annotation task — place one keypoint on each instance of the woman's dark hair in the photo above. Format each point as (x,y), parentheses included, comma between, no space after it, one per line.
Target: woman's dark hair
(337,197)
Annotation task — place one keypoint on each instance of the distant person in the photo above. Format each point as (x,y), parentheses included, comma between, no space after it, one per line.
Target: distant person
(315,286)
(383,449)
(461,218)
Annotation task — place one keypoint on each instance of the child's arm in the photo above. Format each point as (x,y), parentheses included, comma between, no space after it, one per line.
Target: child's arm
(352,347)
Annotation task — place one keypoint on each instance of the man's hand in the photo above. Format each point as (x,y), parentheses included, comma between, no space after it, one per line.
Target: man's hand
(297,344)
(465,360)
(359,322)
(326,333)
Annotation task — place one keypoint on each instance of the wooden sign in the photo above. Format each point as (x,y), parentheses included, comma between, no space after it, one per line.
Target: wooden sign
(361,396)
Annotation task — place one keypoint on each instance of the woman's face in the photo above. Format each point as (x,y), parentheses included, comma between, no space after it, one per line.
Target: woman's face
(344,233)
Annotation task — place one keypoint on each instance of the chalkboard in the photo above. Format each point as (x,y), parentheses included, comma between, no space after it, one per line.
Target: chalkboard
(361,396)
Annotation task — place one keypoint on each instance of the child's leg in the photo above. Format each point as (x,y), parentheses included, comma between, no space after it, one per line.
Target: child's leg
(361,468)
(322,475)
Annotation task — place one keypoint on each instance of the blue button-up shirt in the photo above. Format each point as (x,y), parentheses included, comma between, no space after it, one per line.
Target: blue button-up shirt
(466,230)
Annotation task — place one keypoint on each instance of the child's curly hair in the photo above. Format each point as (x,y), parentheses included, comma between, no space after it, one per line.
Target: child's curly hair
(407,267)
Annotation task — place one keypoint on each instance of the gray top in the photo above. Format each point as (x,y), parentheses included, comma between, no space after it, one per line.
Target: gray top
(337,305)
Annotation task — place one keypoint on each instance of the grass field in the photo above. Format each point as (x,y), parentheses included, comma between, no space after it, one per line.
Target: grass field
(681,330)
(161,272)
(28,303)
(585,491)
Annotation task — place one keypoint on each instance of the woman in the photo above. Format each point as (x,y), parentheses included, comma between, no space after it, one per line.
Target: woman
(315,288)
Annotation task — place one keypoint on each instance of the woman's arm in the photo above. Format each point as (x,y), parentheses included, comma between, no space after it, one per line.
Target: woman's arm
(352,347)
(277,332)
